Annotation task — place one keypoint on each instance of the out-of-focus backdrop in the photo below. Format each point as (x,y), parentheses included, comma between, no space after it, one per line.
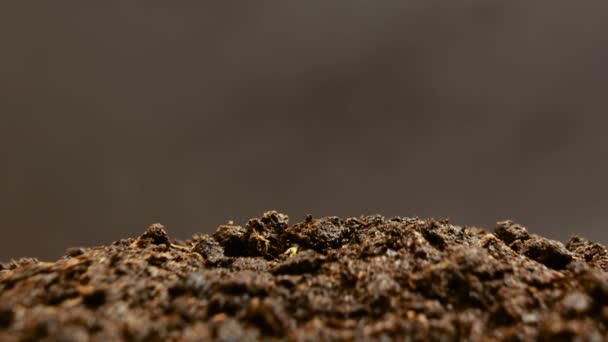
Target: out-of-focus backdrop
(117,115)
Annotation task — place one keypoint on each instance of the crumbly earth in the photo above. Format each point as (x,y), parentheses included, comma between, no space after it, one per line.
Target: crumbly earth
(366,278)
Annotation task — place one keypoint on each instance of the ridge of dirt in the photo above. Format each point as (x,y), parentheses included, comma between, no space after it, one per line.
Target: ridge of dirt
(366,278)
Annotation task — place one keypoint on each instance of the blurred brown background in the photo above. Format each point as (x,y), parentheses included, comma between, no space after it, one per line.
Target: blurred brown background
(114,116)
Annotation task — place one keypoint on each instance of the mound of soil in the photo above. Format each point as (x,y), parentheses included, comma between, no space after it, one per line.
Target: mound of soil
(365,278)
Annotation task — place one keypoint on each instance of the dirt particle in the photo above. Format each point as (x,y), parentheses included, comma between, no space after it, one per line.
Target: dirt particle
(508,231)
(263,235)
(593,253)
(209,249)
(551,253)
(156,235)
(231,238)
(440,234)
(74,251)
(329,232)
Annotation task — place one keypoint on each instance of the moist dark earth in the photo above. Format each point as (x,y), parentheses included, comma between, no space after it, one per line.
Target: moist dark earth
(365,278)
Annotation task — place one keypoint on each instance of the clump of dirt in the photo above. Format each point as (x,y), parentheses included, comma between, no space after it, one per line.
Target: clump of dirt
(365,278)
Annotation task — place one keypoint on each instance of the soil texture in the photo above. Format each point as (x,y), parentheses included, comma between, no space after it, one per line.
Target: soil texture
(354,279)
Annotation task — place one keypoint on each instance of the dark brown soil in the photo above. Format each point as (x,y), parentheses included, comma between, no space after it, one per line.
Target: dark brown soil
(366,278)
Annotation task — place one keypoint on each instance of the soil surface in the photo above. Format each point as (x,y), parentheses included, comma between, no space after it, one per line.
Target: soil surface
(366,278)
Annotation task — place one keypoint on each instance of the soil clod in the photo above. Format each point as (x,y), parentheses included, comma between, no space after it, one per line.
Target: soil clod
(508,231)
(548,252)
(156,235)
